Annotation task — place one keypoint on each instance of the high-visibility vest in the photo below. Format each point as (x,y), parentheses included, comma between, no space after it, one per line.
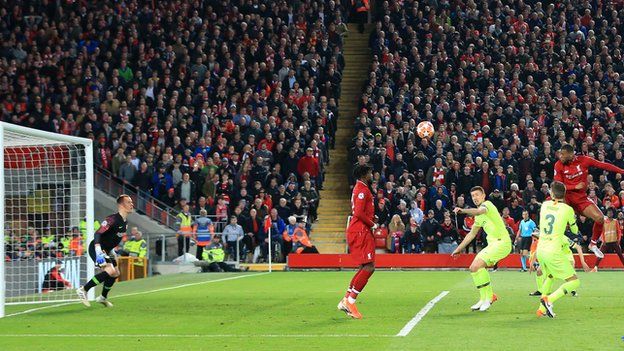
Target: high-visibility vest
(138,247)
(83,228)
(129,246)
(213,255)
(46,240)
(203,231)
(185,224)
(66,242)
(610,231)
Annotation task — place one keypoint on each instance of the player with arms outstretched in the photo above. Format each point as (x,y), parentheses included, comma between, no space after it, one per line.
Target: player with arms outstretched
(572,171)
(499,245)
(360,238)
(101,251)
(553,251)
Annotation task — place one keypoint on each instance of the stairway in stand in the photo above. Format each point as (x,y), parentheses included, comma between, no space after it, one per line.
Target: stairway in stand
(328,234)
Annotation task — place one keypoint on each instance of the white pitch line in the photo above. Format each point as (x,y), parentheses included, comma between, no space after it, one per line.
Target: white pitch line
(195,335)
(139,293)
(412,323)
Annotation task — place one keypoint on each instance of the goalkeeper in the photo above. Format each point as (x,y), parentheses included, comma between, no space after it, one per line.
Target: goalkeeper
(101,250)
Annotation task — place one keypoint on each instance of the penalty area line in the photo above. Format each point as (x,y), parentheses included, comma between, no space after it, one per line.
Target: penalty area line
(191,336)
(421,314)
(139,293)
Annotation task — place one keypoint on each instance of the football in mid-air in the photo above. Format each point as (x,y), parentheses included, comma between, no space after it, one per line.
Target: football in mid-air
(425,129)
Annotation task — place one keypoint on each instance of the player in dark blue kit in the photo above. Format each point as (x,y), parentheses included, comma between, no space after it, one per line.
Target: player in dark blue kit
(102,251)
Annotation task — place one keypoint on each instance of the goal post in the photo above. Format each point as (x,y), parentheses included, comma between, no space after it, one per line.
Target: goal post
(47,215)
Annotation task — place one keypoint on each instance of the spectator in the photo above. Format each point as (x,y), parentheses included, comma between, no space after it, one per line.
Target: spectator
(143,178)
(127,172)
(585,226)
(396,228)
(436,173)
(310,197)
(361,8)
(382,213)
(186,189)
(53,279)
(161,182)
(283,210)
(430,229)
(277,229)
(118,160)
(412,238)
(416,213)
(448,237)
(308,164)
(232,232)
(439,211)
(253,241)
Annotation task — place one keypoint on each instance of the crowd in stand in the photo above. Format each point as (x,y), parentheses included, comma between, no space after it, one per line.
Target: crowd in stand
(227,106)
(505,85)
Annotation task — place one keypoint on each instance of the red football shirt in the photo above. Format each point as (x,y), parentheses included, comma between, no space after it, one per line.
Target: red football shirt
(575,172)
(362,208)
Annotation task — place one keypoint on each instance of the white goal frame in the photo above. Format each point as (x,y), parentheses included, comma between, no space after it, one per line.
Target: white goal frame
(89,192)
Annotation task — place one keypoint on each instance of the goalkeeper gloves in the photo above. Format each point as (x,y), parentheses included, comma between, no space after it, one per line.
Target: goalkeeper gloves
(100,257)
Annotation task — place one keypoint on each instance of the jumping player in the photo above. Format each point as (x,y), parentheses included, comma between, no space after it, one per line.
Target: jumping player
(360,238)
(499,245)
(101,251)
(572,171)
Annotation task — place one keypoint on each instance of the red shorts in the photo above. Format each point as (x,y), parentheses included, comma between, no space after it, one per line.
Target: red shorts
(361,246)
(578,201)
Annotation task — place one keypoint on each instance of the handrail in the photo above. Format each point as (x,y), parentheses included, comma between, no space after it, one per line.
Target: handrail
(143,201)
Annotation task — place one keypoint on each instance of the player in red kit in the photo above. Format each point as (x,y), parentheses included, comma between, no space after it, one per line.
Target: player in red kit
(360,238)
(571,170)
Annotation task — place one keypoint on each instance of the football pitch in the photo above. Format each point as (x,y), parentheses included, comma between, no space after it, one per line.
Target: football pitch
(297,311)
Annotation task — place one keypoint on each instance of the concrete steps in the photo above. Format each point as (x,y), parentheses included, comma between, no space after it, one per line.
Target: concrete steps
(328,233)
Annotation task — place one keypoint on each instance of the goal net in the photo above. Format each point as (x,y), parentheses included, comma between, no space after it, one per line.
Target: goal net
(46,190)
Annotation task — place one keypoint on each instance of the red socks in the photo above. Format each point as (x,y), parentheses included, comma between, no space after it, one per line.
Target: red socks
(596,232)
(358,283)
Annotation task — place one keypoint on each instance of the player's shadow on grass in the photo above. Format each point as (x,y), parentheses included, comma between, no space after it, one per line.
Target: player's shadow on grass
(69,310)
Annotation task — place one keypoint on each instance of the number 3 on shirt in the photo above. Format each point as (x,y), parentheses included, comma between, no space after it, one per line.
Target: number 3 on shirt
(550,220)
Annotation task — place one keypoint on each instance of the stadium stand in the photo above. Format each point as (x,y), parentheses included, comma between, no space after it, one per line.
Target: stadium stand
(213,99)
(505,84)
(217,102)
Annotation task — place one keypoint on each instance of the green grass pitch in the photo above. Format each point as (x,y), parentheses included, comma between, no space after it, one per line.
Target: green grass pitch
(297,311)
